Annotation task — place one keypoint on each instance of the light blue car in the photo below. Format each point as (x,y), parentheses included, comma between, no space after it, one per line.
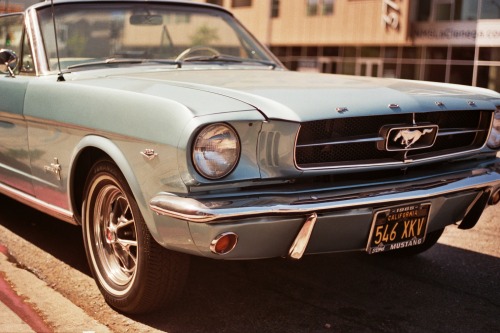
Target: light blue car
(166,130)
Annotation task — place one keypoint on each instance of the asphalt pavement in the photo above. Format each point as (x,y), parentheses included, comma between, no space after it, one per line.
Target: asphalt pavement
(451,288)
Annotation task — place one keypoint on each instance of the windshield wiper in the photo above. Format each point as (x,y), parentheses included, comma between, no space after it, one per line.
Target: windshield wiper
(111,61)
(229,58)
(211,58)
(107,62)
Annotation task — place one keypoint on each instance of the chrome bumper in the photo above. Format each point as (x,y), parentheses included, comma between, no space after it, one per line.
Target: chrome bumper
(211,218)
(212,211)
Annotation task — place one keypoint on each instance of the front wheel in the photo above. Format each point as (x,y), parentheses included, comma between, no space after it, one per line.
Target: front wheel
(133,272)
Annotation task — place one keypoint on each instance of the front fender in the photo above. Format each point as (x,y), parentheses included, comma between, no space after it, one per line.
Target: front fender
(118,152)
(109,148)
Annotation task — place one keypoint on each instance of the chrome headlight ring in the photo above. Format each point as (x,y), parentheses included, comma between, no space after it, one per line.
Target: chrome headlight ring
(216,151)
(494,139)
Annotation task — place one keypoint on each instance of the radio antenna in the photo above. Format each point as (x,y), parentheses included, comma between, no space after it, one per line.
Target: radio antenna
(60,76)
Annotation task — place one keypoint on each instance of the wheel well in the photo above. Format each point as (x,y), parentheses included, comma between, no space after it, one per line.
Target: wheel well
(83,165)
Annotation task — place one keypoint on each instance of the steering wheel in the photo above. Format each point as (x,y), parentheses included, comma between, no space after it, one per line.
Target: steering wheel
(201,48)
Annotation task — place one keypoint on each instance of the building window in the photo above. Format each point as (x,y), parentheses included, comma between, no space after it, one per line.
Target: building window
(462,53)
(461,74)
(241,3)
(437,53)
(455,10)
(327,8)
(330,51)
(490,9)
(442,10)
(279,51)
(423,10)
(216,2)
(313,7)
(296,51)
(489,77)
(412,52)
(466,10)
(348,68)
(435,73)
(275,8)
(370,52)
(489,53)
(350,52)
(391,52)
(390,70)
(311,51)
(410,71)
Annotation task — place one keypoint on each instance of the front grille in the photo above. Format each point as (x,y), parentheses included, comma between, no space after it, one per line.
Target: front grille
(360,140)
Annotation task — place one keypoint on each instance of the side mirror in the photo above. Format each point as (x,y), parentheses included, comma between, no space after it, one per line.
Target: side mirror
(8,62)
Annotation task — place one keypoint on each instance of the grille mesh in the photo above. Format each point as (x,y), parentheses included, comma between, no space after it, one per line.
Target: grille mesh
(353,141)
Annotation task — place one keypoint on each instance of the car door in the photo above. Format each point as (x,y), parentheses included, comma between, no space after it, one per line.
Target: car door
(15,169)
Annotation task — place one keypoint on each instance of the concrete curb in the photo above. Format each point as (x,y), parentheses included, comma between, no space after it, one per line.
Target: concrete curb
(58,313)
(16,315)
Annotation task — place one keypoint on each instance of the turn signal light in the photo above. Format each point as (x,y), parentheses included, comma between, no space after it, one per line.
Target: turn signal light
(224,243)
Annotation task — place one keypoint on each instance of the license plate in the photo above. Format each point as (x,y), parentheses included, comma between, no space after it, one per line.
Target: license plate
(398,227)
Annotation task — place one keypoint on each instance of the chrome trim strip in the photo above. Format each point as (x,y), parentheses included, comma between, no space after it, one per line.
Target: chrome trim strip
(38,204)
(36,42)
(299,245)
(381,139)
(197,211)
(340,142)
(455,132)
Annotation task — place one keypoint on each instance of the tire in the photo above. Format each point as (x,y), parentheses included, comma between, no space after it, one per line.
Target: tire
(133,272)
(430,240)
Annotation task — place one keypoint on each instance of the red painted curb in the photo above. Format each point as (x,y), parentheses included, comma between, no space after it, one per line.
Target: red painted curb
(17,304)
(4,250)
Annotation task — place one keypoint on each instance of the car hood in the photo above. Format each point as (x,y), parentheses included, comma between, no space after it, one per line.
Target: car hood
(298,96)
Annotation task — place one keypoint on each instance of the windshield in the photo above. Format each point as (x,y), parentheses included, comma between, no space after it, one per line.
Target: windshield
(131,33)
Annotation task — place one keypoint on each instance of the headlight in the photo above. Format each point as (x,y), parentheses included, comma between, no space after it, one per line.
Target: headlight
(216,151)
(494,139)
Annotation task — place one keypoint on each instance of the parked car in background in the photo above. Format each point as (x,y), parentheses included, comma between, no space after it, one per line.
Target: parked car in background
(166,130)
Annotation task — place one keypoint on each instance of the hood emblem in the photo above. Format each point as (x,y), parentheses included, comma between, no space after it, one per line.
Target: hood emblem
(404,138)
(409,137)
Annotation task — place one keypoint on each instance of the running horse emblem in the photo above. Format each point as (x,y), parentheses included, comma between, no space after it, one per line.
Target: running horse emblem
(409,137)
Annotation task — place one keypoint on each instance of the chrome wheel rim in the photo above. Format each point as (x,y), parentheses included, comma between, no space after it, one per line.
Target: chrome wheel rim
(115,238)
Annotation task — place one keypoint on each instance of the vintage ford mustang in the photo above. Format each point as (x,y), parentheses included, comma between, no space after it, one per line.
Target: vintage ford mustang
(166,130)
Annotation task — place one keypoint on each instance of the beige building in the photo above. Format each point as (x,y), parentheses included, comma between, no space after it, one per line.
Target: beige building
(456,41)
